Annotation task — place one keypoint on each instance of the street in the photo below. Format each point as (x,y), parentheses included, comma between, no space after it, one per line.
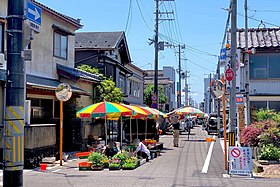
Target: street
(177,166)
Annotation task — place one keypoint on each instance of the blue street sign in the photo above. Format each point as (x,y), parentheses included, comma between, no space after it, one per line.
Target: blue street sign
(223,54)
(154,105)
(34,13)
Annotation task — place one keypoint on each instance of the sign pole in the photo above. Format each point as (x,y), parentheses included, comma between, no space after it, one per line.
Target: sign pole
(224,122)
(63,93)
(61,131)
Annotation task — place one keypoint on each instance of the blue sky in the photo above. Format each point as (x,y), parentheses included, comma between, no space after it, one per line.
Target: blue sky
(199,24)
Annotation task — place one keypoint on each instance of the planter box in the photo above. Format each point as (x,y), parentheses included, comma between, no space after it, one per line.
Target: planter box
(84,166)
(129,168)
(114,168)
(83,154)
(96,168)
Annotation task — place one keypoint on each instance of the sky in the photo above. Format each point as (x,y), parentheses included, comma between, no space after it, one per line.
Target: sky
(199,24)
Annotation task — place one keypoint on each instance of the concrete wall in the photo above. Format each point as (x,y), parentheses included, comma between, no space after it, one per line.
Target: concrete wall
(3,8)
(36,136)
(85,100)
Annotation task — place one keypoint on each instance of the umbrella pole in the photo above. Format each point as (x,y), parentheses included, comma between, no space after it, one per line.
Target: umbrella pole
(146,127)
(130,131)
(121,134)
(105,131)
(137,128)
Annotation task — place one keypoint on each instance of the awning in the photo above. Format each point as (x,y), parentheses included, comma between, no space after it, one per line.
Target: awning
(49,84)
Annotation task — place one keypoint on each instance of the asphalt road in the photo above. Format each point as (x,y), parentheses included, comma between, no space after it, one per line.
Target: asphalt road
(177,166)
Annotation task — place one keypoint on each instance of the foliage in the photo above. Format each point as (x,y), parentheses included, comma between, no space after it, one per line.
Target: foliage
(89,69)
(121,157)
(96,159)
(270,152)
(149,91)
(249,135)
(114,165)
(106,90)
(270,134)
(264,115)
(131,163)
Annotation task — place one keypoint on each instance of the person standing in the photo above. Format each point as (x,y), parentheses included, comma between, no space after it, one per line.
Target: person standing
(176,132)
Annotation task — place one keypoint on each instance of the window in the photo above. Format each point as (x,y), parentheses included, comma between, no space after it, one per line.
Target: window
(134,88)
(1,37)
(122,83)
(60,45)
(258,104)
(274,105)
(41,110)
(265,66)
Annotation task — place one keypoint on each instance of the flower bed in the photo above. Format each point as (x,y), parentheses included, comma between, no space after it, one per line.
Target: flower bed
(84,166)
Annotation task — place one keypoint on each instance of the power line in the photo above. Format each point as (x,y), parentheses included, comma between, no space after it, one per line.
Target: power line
(272,11)
(128,17)
(199,65)
(143,16)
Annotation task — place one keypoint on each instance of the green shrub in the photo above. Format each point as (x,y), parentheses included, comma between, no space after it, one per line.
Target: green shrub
(270,152)
(96,159)
(121,157)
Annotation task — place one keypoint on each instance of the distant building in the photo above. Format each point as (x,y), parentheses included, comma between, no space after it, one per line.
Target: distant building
(166,78)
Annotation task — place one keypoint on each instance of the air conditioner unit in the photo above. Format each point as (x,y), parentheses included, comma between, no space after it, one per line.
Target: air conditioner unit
(2,61)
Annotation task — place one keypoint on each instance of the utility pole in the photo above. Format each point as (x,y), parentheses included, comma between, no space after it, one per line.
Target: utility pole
(13,146)
(185,76)
(157,48)
(247,91)
(232,111)
(180,80)
(210,77)
(156,56)
(219,99)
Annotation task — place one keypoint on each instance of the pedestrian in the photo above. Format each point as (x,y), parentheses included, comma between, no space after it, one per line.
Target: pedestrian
(176,132)
(141,150)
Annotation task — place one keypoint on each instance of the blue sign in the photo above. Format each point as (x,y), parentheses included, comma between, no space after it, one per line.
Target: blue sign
(223,54)
(34,13)
(154,105)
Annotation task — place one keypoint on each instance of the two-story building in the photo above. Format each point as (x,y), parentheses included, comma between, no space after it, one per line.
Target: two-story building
(264,66)
(53,53)
(107,51)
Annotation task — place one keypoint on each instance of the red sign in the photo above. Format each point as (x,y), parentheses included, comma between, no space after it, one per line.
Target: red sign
(229,74)
(235,152)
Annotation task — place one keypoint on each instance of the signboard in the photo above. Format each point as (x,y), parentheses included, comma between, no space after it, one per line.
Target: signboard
(240,160)
(241,118)
(237,73)
(223,55)
(34,14)
(154,97)
(229,74)
(154,105)
(239,99)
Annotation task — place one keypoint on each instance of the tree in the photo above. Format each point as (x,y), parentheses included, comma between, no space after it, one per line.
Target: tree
(106,90)
(149,91)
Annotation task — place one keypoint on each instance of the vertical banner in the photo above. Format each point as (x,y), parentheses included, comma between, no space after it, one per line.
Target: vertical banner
(241,118)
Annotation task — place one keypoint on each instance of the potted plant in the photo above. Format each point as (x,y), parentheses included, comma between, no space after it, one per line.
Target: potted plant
(115,164)
(130,163)
(96,159)
(105,161)
(122,157)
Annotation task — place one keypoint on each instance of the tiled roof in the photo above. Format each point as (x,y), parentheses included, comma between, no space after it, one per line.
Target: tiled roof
(48,83)
(74,21)
(79,73)
(258,37)
(95,40)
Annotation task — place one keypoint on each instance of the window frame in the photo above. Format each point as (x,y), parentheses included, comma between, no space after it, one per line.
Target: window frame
(265,69)
(60,34)
(2,26)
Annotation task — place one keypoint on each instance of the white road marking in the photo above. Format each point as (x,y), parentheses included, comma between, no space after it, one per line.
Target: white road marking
(56,170)
(208,158)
